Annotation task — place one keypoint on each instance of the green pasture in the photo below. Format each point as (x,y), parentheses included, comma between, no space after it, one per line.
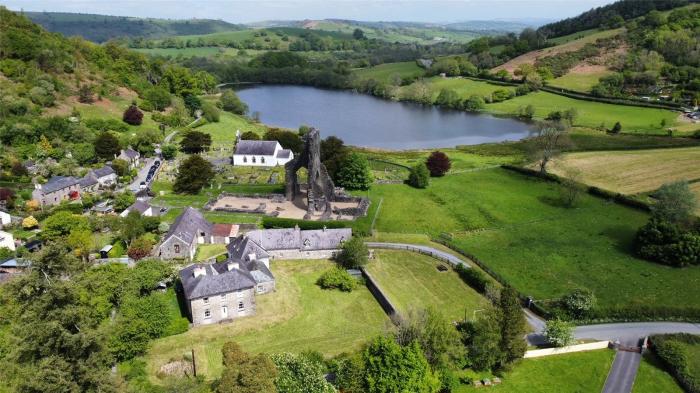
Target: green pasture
(582,82)
(385,72)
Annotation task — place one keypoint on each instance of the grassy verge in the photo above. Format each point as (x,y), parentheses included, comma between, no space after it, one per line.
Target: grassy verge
(652,378)
(298,316)
(412,282)
(582,372)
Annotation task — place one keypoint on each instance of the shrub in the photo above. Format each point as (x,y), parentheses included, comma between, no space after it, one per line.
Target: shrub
(579,302)
(133,116)
(140,248)
(210,112)
(474,103)
(617,128)
(474,278)
(299,373)
(419,176)
(169,152)
(438,163)
(250,136)
(337,278)
(231,103)
(670,348)
(354,253)
(85,94)
(559,333)
(30,223)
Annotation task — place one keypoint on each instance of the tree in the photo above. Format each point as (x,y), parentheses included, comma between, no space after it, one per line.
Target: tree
(617,128)
(288,139)
(483,340)
(358,34)
(440,341)
(195,142)
(140,248)
(354,173)
(231,103)
(571,187)
(123,200)
(245,373)
(7,196)
(85,95)
(513,327)
(84,153)
(337,278)
(18,169)
(132,115)
(570,115)
(675,203)
(30,223)
(579,302)
(333,154)
(107,146)
(168,152)
(353,254)
(81,241)
(474,103)
(559,333)
(438,163)
(300,374)
(419,176)
(192,175)
(158,97)
(62,223)
(131,227)
(210,112)
(448,98)
(250,136)
(121,167)
(392,368)
(548,144)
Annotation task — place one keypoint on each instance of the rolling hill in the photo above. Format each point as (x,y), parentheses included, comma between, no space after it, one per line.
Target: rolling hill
(101,28)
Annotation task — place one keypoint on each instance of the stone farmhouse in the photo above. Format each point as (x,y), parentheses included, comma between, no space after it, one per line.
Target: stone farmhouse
(217,292)
(97,179)
(131,156)
(57,190)
(224,291)
(261,153)
(190,229)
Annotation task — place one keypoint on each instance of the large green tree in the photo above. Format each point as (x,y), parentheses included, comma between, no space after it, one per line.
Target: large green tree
(300,374)
(513,326)
(231,103)
(195,142)
(107,146)
(354,173)
(192,175)
(246,373)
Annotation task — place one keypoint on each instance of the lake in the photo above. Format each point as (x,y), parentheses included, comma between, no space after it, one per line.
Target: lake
(367,121)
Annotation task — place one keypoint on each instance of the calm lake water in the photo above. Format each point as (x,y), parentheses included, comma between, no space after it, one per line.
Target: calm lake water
(363,120)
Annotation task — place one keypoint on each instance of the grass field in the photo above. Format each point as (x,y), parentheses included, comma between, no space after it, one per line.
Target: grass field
(412,282)
(632,171)
(591,114)
(204,51)
(223,133)
(464,87)
(516,226)
(582,372)
(582,82)
(652,378)
(461,160)
(298,316)
(385,72)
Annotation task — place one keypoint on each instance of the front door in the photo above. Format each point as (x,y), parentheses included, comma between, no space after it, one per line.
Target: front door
(224,312)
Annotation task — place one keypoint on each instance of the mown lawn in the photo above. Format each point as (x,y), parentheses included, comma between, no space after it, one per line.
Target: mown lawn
(591,114)
(299,316)
(206,251)
(581,372)
(517,227)
(652,378)
(411,281)
(582,82)
(385,72)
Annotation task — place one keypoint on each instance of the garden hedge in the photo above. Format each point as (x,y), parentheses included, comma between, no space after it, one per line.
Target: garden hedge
(670,349)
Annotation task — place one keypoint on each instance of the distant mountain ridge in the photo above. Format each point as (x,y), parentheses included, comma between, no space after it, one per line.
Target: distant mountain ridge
(101,28)
(469,25)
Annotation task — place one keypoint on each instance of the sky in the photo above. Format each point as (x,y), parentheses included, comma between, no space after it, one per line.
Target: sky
(247,11)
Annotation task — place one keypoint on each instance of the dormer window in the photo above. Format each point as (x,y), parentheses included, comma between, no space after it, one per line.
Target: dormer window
(307,243)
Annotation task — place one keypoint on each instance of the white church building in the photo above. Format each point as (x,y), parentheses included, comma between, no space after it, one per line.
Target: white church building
(260,153)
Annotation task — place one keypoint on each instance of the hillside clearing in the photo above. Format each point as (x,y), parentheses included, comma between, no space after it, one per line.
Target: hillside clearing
(632,171)
(580,78)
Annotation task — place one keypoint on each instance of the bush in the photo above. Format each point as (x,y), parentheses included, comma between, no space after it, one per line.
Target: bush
(579,303)
(250,136)
(671,349)
(474,278)
(210,112)
(354,253)
(231,103)
(419,176)
(438,163)
(559,333)
(617,128)
(337,278)
(474,103)
(133,116)
(668,243)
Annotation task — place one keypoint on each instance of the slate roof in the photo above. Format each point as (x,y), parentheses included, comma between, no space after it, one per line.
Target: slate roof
(293,238)
(188,224)
(58,183)
(217,280)
(258,271)
(15,262)
(88,180)
(284,153)
(139,206)
(130,154)
(104,171)
(260,148)
(242,246)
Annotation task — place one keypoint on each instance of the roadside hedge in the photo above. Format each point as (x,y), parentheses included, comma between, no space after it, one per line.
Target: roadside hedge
(669,348)
(474,278)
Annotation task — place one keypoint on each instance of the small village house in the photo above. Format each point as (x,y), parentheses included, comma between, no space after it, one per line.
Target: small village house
(189,229)
(131,156)
(261,153)
(57,190)
(141,207)
(7,240)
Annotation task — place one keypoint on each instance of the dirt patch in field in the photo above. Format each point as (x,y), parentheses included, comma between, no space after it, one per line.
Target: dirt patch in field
(126,93)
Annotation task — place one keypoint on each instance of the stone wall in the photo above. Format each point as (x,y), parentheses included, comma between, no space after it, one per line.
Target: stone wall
(298,254)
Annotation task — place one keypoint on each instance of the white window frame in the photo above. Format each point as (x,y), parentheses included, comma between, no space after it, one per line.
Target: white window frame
(241,305)
(207,314)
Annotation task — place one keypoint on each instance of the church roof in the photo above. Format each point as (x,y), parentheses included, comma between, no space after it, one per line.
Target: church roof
(261,148)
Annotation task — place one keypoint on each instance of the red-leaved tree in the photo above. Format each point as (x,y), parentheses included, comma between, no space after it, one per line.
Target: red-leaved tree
(438,164)
(133,116)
